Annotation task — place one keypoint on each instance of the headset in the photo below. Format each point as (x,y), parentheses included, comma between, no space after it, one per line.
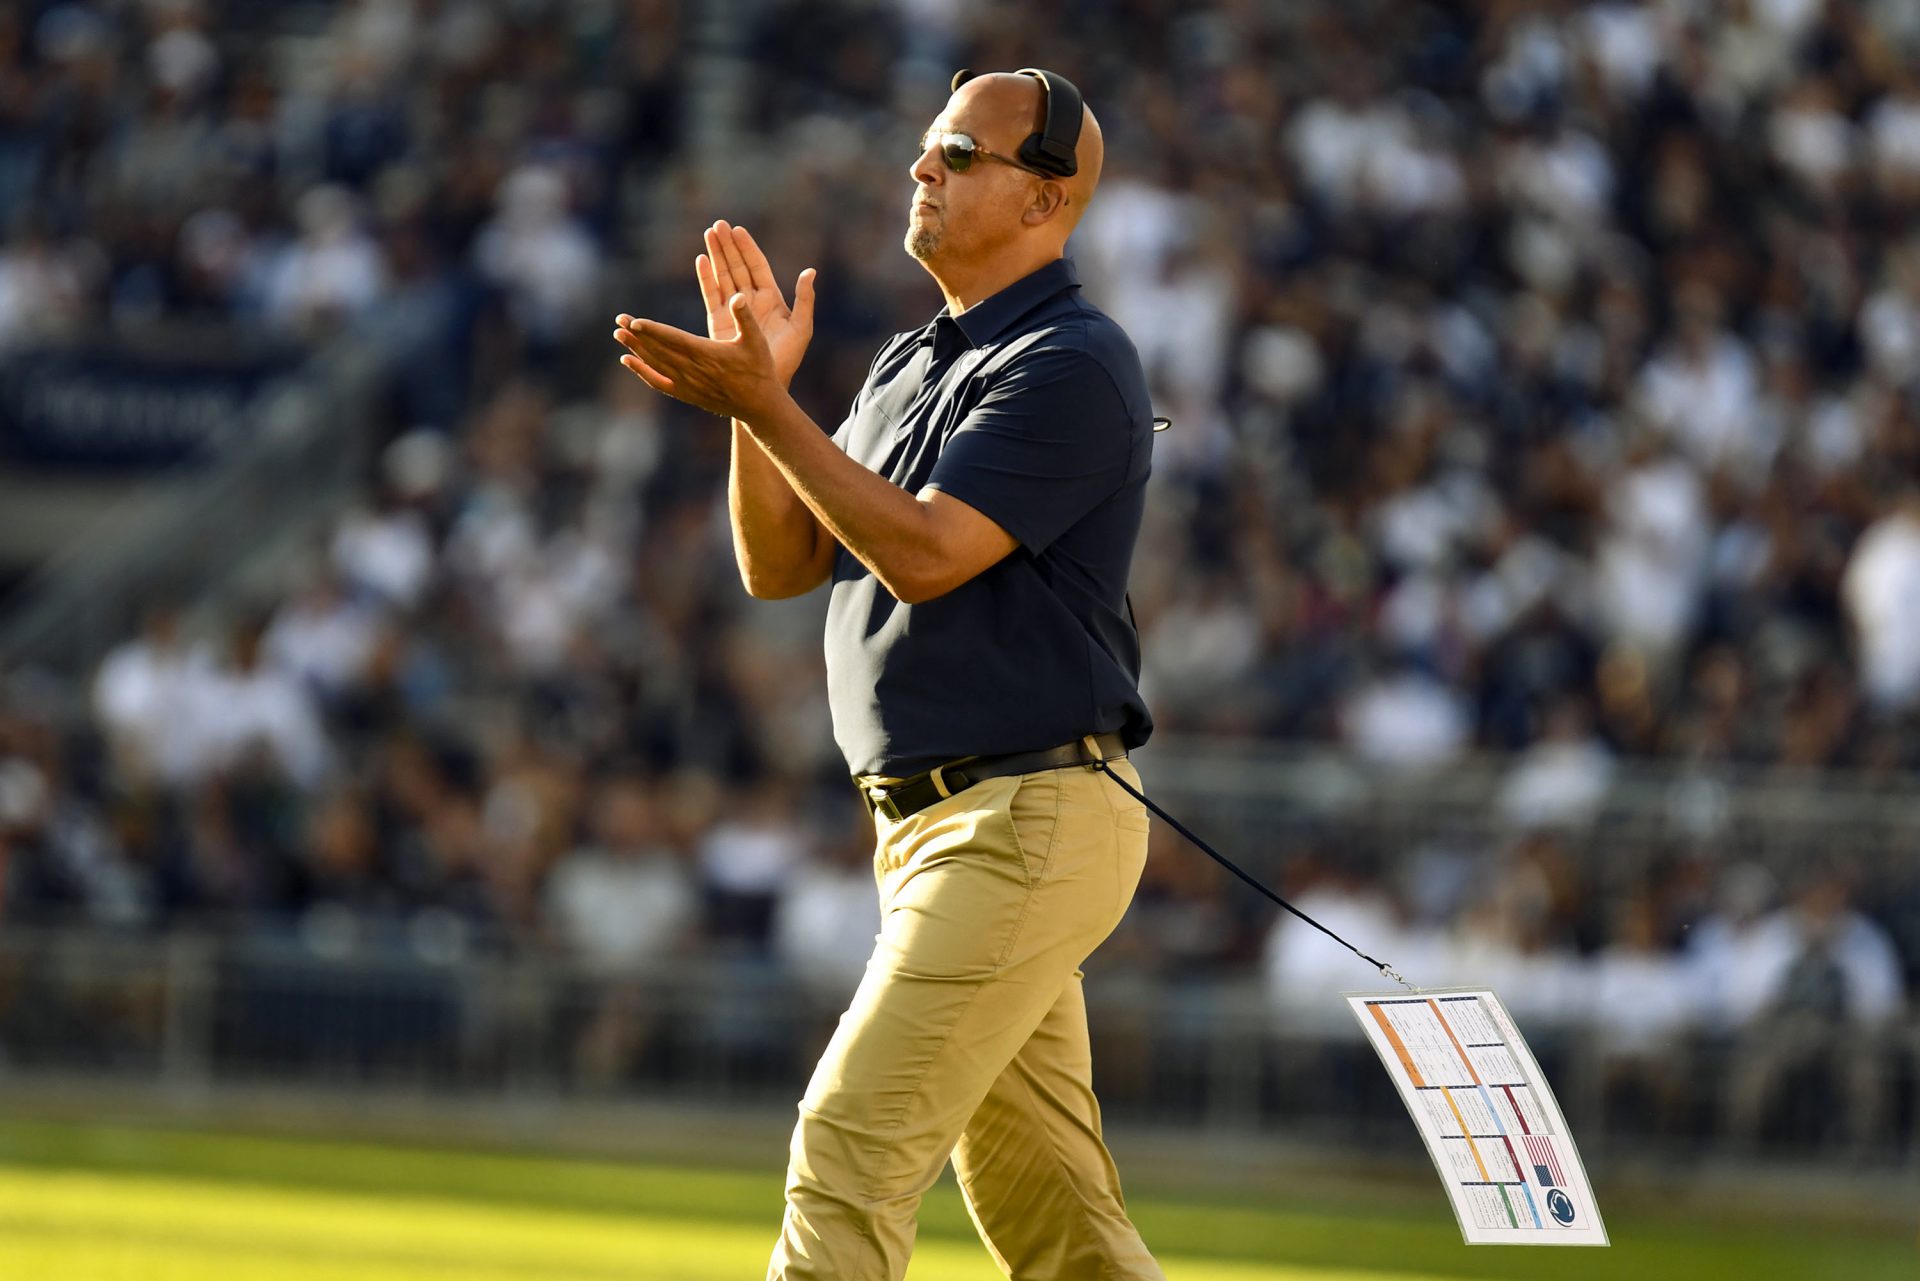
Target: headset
(1050,150)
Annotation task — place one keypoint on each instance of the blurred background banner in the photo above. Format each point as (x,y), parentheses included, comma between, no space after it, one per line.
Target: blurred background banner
(1530,589)
(109,409)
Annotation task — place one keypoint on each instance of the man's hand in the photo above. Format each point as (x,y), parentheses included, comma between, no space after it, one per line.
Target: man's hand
(736,378)
(733,264)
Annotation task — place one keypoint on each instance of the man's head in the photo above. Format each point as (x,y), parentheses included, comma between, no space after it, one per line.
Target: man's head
(999,208)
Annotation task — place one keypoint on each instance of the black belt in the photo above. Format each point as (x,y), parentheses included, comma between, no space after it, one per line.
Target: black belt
(911,795)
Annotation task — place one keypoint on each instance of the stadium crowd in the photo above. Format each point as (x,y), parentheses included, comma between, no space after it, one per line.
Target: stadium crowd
(1545,379)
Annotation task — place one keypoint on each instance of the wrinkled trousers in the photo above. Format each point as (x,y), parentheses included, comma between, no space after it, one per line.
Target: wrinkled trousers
(967,1039)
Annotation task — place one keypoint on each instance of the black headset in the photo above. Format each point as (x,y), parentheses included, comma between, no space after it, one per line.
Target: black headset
(1050,150)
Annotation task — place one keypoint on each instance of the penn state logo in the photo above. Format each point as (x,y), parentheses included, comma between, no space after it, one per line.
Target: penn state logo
(1560,1206)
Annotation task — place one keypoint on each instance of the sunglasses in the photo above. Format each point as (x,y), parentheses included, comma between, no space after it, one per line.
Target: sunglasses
(958,152)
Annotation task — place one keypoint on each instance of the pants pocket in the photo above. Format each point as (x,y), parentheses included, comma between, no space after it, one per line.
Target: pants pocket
(1034,812)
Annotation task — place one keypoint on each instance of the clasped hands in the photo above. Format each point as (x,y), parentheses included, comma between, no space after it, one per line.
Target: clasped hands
(754,341)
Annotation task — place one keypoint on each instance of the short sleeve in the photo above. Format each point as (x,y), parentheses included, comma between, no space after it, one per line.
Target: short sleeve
(843,434)
(1051,440)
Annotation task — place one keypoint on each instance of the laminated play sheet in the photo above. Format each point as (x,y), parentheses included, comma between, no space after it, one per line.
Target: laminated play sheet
(1487,1116)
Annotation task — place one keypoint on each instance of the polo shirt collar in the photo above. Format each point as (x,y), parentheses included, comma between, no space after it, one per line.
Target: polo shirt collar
(991,317)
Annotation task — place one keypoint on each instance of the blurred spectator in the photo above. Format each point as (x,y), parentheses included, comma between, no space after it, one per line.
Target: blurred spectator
(43,286)
(747,859)
(1186,924)
(1652,561)
(1643,1009)
(348,897)
(1882,592)
(545,260)
(323,639)
(147,697)
(1303,968)
(1563,777)
(1702,391)
(621,905)
(1735,952)
(1514,933)
(1833,987)
(387,553)
(331,274)
(827,919)
(623,900)
(1405,719)
(249,713)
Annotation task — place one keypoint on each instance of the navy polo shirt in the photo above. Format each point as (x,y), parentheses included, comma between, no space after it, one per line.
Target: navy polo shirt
(1031,407)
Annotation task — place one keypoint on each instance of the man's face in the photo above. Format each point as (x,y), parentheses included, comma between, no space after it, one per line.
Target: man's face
(960,218)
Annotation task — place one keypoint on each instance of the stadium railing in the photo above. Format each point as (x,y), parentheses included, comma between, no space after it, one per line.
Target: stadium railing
(202,1012)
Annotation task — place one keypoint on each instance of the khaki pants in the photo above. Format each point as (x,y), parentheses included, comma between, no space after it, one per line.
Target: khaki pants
(968,1037)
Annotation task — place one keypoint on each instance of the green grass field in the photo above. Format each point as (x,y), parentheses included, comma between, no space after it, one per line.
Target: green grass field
(103,1203)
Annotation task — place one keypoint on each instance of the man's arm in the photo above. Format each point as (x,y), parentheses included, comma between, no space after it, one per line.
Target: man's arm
(918,547)
(1051,440)
(779,545)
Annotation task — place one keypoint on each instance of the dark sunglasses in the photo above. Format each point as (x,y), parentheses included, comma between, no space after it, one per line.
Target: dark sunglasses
(958,152)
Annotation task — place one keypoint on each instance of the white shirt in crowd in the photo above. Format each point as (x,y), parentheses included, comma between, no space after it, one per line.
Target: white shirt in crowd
(1705,400)
(824,927)
(244,716)
(1736,964)
(1652,562)
(178,718)
(1557,781)
(742,856)
(335,269)
(618,910)
(1881,591)
(387,553)
(323,639)
(1890,326)
(1640,999)
(147,697)
(1741,969)
(1306,971)
(1406,719)
(1894,130)
(539,253)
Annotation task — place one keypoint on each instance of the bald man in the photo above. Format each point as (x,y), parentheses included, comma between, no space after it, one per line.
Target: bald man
(976,513)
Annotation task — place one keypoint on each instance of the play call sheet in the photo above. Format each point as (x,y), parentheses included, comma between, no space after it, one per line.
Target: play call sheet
(1487,1115)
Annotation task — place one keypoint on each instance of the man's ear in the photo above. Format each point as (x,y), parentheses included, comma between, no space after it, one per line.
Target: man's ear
(1046,204)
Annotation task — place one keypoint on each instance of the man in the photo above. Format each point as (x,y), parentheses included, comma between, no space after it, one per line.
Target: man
(976,513)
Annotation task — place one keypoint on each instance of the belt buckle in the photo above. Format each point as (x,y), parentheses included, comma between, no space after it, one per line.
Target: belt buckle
(883,803)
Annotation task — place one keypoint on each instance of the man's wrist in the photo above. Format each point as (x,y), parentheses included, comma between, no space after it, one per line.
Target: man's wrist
(771,417)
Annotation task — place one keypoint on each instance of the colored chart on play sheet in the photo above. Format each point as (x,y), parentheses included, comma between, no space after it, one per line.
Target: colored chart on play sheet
(1487,1114)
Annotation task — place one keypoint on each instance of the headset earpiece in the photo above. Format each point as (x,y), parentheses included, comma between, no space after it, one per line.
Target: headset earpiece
(1051,150)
